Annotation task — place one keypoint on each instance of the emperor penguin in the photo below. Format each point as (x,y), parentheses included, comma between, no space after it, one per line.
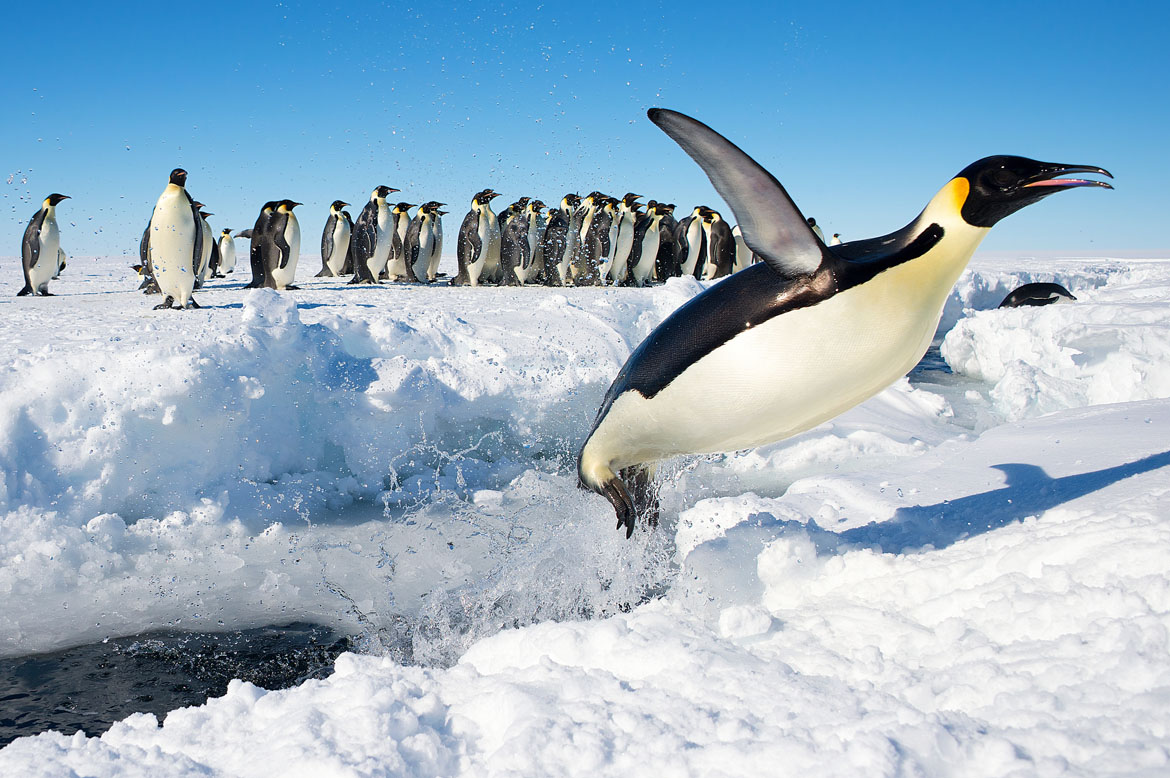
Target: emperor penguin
(623,237)
(743,255)
(835,240)
(398,268)
(515,209)
(286,240)
(1037,294)
(666,265)
(261,245)
(335,240)
(227,251)
(555,242)
(40,249)
(478,243)
(812,223)
(437,245)
(372,235)
(208,242)
(691,243)
(805,334)
(644,253)
(597,246)
(175,243)
(420,243)
(62,259)
(720,246)
(515,248)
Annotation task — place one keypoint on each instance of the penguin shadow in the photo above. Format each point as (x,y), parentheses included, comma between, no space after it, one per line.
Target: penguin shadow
(1029,491)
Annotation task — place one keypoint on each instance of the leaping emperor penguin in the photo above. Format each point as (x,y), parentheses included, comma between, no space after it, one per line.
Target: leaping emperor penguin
(174,243)
(807,333)
(40,249)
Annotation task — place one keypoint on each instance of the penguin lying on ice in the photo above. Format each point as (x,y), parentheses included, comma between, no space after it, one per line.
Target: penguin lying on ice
(807,333)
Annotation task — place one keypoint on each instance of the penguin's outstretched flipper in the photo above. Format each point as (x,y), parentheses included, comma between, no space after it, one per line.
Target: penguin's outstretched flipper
(771,224)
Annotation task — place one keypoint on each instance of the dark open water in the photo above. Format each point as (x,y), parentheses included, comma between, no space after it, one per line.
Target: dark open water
(91,687)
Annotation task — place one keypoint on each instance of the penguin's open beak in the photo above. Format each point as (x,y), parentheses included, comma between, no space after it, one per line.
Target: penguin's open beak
(1050,177)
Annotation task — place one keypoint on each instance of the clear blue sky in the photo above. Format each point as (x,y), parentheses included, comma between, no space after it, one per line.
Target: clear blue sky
(862,110)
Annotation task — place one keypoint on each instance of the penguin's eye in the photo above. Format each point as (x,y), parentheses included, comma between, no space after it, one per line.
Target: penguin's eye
(1002,178)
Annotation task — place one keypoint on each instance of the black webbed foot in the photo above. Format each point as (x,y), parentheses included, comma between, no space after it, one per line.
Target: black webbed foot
(167,303)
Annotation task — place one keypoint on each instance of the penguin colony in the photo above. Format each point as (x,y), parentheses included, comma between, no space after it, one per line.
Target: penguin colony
(597,240)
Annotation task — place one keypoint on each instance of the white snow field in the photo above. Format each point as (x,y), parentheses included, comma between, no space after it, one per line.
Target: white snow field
(968,575)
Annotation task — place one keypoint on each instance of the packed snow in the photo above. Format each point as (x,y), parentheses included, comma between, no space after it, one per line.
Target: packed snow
(965,576)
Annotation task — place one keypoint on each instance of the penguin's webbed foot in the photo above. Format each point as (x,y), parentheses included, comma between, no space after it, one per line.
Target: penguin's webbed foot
(290,286)
(24,292)
(192,304)
(167,303)
(615,491)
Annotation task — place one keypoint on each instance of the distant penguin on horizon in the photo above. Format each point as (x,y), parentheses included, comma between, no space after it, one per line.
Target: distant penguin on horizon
(812,223)
(372,235)
(285,232)
(208,243)
(720,246)
(227,252)
(802,336)
(175,243)
(423,241)
(335,241)
(835,240)
(1037,294)
(261,246)
(623,237)
(644,252)
(40,248)
(691,243)
(398,268)
(478,240)
(555,242)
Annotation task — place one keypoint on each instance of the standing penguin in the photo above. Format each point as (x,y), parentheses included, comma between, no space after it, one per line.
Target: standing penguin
(479,240)
(335,240)
(261,246)
(666,264)
(39,251)
(436,246)
(555,242)
(812,223)
(62,259)
(644,252)
(372,234)
(835,240)
(175,243)
(691,243)
(720,246)
(397,265)
(743,255)
(519,250)
(208,243)
(420,243)
(227,252)
(286,238)
(804,335)
(623,230)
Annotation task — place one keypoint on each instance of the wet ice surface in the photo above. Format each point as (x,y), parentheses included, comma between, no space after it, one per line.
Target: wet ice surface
(963,576)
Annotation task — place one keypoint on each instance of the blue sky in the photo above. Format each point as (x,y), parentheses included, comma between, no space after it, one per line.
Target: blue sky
(863,111)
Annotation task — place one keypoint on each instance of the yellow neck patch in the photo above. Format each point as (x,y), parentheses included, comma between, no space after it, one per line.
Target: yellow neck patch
(958,188)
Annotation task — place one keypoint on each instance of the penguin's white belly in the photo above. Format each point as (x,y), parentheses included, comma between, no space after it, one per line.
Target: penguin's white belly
(621,255)
(205,255)
(396,262)
(283,276)
(426,244)
(779,378)
(436,254)
(48,259)
(377,261)
(645,267)
(172,246)
(336,259)
(227,255)
(491,247)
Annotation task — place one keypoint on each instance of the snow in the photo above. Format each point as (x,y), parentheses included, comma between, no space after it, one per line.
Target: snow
(964,576)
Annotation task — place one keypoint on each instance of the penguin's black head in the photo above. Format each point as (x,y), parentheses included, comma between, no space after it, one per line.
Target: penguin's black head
(337,205)
(383,191)
(1002,185)
(812,222)
(536,205)
(404,207)
(205,214)
(179,177)
(56,198)
(226,231)
(198,204)
(630,198)
(486,196)
(270,205)
(290,204)
(432,205)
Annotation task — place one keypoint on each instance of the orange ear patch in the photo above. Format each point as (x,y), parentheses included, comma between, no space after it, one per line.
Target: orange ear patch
(959,189)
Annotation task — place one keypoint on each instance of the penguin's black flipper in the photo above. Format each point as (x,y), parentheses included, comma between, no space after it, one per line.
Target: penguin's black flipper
(771,224)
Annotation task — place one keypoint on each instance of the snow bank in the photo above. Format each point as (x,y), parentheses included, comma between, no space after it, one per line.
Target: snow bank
(943,581)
